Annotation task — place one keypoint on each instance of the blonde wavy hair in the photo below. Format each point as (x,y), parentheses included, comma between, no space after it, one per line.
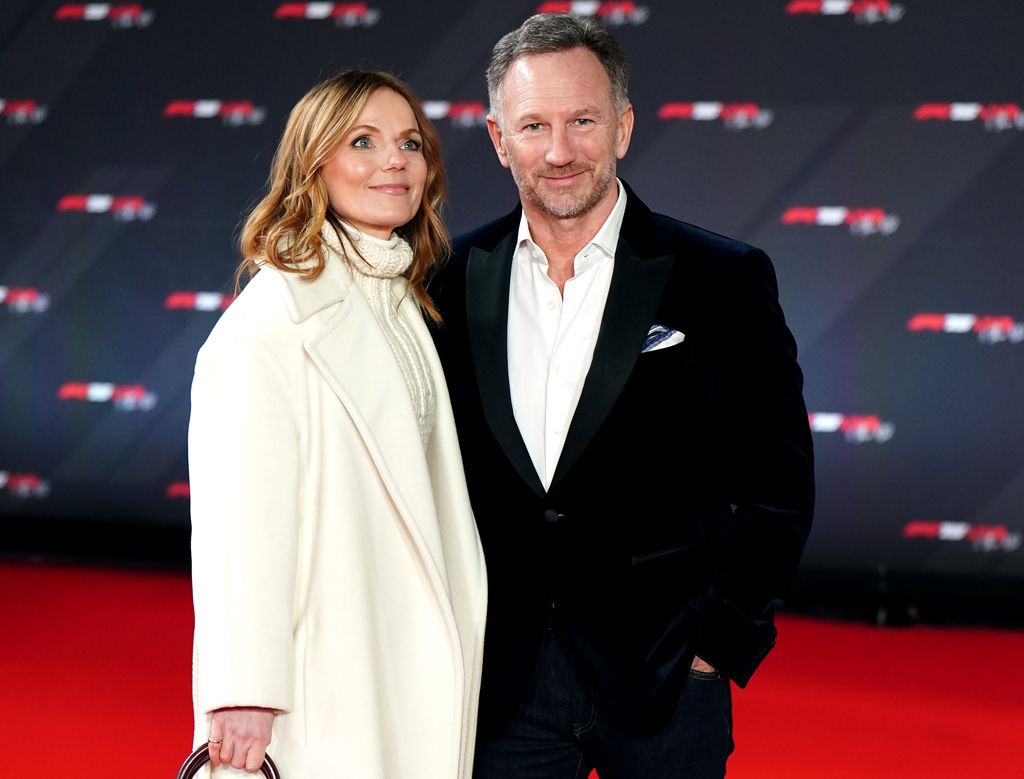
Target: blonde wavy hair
(283,229)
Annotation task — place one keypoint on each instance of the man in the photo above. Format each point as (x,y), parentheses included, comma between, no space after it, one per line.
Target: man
(636,444)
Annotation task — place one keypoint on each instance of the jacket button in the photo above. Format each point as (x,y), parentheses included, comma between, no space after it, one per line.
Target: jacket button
(551,516)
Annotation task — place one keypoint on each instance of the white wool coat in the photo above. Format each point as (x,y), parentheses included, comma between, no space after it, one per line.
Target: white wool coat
(337,572)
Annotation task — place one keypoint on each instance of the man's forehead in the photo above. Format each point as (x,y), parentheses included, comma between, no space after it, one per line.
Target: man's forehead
(574,77)
(573,64)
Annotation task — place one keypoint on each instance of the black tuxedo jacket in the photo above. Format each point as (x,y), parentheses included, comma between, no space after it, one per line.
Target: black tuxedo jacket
(683,496)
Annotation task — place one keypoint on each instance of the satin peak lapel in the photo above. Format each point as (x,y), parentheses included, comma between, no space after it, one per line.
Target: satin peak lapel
(488,275)
(636,290)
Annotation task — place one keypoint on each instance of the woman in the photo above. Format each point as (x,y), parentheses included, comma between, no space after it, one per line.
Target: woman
(338,581)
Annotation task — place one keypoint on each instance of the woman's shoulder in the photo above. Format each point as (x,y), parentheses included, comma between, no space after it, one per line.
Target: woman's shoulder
(258,313)
(266,287)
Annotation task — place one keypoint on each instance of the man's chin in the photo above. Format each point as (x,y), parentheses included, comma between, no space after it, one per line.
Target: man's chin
(568,206)
(568,202)
(561,202)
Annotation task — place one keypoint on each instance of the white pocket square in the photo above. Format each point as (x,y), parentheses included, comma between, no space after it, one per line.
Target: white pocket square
(661,337)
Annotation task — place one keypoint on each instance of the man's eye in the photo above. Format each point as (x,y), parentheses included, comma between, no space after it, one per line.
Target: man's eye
(412,145)
(362,142)
(534,127)
(583,121)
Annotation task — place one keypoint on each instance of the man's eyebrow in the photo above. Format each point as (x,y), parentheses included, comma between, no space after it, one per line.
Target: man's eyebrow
(535,117)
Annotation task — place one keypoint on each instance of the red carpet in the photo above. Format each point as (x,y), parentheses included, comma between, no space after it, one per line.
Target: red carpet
(96,684)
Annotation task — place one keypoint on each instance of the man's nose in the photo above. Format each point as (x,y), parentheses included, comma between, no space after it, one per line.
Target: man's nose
(561,150)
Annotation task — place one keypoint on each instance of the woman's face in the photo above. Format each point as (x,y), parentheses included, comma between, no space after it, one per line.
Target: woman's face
(375,179)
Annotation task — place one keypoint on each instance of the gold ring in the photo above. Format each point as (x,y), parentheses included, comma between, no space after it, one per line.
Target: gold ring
(212,741)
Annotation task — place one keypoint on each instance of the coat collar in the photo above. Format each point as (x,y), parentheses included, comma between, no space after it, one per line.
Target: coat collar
(333,285)
(638,281)
(351,353)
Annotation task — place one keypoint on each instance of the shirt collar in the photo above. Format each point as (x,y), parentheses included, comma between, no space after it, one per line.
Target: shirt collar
(606,238)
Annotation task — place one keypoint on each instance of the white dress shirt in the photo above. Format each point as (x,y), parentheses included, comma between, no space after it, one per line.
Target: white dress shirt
(551,338)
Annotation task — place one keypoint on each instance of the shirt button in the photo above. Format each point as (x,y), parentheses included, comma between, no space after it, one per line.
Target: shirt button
(551,305)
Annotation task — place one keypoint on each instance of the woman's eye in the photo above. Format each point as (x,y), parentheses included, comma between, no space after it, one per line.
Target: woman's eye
(362,142)
(412,145)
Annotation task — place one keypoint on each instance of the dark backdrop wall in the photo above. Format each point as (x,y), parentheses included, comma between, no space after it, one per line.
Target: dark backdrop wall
(875,149)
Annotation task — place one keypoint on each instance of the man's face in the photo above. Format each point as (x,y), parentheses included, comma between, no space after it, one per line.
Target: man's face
(559,132)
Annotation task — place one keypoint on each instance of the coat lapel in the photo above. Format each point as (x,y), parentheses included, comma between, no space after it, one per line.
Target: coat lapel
(352,355)
(638,282)
(488,275)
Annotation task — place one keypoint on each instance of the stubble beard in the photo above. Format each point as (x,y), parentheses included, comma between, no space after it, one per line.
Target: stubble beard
(565,206)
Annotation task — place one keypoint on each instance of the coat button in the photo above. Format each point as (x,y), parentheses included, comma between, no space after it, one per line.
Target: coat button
(551,516)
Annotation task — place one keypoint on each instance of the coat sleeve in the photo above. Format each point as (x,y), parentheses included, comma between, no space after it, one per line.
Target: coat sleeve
(768,474)
(244,466)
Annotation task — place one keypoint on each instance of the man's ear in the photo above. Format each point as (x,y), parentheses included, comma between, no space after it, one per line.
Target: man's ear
(624,132)
(498,139)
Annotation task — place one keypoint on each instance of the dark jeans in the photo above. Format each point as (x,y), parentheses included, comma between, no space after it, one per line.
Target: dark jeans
(559,732)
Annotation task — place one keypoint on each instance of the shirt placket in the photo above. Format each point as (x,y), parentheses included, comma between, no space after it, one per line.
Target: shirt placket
(553,306)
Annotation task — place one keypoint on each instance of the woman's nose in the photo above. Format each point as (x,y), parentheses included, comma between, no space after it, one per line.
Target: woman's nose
(394,159)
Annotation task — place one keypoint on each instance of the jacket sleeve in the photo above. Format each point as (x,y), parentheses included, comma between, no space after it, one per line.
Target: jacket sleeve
(244,465)
(768,473)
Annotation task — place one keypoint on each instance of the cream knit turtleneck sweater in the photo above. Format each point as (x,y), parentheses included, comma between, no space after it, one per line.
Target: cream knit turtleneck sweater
(374,264)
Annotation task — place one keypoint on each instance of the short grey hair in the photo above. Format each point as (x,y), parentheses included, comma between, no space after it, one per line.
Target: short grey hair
(552,33)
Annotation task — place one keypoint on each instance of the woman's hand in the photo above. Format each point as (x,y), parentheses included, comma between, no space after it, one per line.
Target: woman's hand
(239,737)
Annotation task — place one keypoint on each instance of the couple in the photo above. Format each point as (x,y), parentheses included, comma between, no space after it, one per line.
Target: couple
(628,432)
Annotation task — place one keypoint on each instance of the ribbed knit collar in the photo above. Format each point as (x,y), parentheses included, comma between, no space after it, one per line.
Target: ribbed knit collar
(372,256)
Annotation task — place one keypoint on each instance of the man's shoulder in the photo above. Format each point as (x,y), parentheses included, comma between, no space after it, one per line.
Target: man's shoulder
(447,284)
(487,236)
(674,236)
(707,257)
(655,234)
